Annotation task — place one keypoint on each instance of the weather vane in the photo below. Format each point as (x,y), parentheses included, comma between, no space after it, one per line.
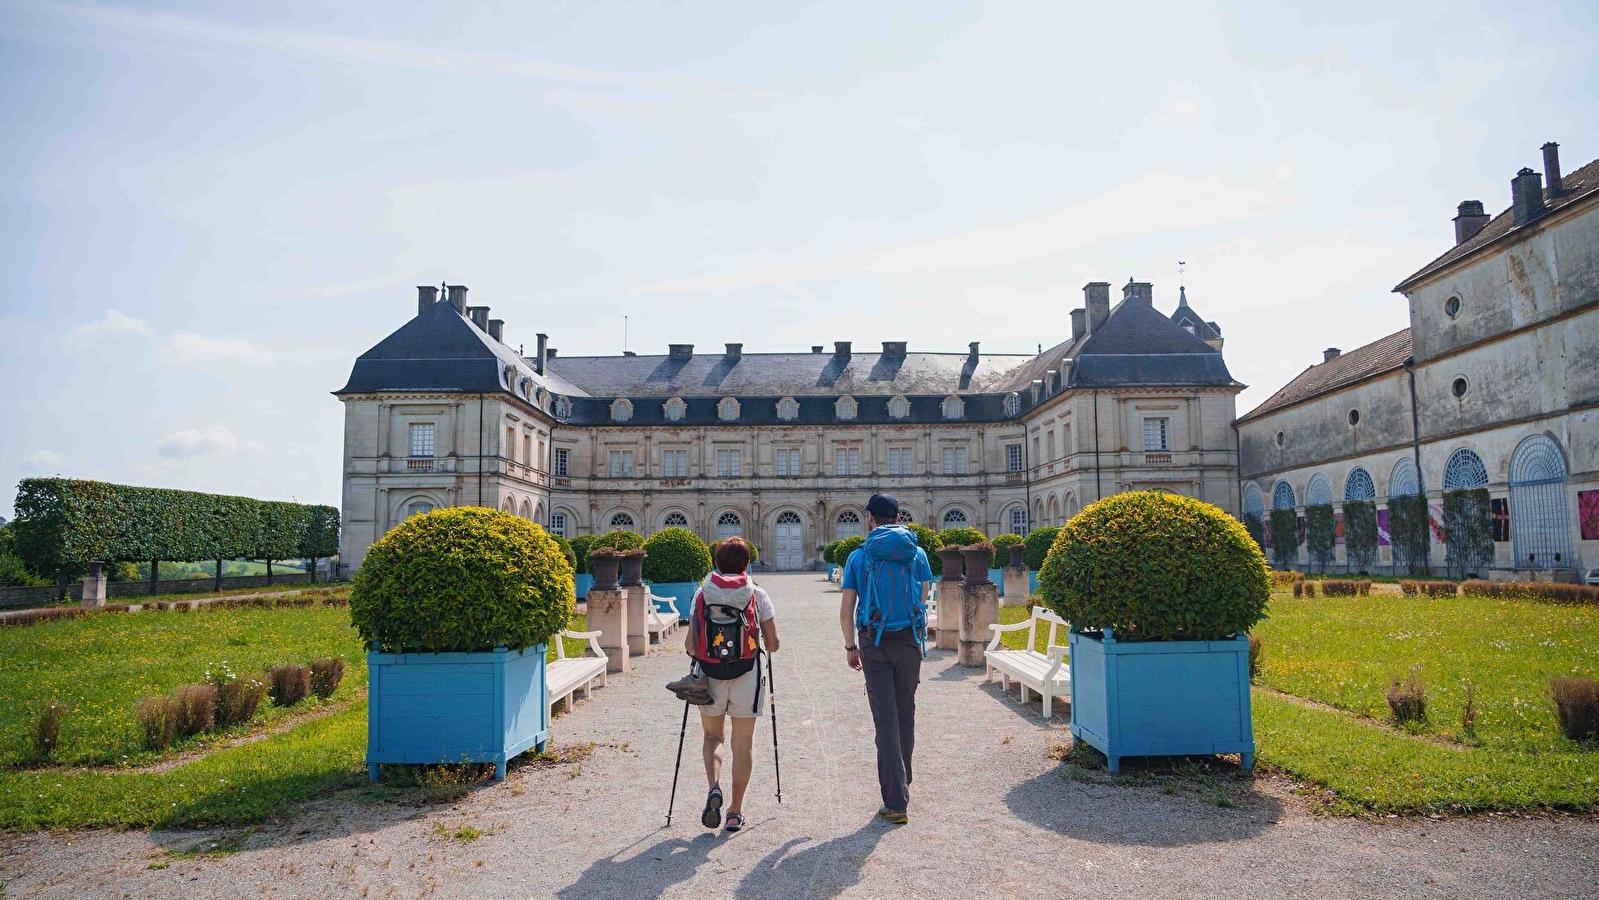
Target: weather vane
(1181,265)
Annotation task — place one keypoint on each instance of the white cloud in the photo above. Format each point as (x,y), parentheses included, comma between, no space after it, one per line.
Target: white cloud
(193,442)
(111,323)
(44,461)
(187,345)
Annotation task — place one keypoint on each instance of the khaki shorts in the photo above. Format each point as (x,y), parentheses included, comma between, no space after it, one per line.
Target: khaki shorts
(735,697)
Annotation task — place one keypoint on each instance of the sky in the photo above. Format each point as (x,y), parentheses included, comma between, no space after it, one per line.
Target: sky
(208,210)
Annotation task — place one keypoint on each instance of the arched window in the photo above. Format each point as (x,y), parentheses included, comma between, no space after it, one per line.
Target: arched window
(1013,405)
(563,408)
(675,409)
(1403,482)
(621,410)
(1038,510)
(955,518)
(845,408)
(509,506)
(1071,504)
(418,507)
(1464,470)
(906,517)
(728,525)
(1054,510)
(1254,503)
(1538,523)
(675,520)
(954,407)
(788,409)
(622,520)
(527,510)
(848,525)
(727,410)
(1319,491)
(788,517)
(899,407)
(1282,496)
(1359,486)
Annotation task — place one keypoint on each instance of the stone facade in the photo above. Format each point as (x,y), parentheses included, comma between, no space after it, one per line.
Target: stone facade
(1494,385)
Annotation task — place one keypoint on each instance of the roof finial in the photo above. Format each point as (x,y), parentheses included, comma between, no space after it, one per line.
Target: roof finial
(1181,266)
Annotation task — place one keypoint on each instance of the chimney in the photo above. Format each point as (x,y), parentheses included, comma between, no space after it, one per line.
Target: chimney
(544,353)
(841,348)
(972,353)
(426,296)
(816,348)
(735,351)
(1469,219)
(893,348)
(680,351)
(1096,297)
(479,316)
(497,329)
(1330,354)
(1551,167)
(458,297)
(1142,291)
(1079,323)
(550,355)
(1526,196)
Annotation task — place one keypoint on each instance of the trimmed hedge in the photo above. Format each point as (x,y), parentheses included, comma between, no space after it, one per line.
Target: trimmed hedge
(1156,566)
(676,555)
(580,553)
(1546,591)
(618,539)
(566,550)
(846,547)
(1360,533)
(1002,545)
(927,539)
(462,579)
(64,522)
(1412,588)
(961,537)
(1284,538)
(1038,542)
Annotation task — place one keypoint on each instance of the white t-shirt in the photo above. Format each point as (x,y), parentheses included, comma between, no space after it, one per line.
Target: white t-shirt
(763,604)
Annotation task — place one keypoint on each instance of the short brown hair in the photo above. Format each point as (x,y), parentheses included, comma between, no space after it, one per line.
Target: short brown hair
(732,556)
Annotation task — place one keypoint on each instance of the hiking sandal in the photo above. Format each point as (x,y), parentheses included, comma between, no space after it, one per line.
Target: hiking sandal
(712,816)
(735,821)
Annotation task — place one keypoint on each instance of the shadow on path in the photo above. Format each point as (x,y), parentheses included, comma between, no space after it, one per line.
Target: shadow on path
(819,871)
(645,874)
(1103,811)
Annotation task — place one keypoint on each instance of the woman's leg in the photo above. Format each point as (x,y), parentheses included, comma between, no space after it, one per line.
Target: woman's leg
(743,744)
(711,748)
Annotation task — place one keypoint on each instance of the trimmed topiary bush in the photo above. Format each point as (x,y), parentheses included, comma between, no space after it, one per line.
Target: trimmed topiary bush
(580,553)
(961,537)
(845,547)
(676,555)
(1038,542)
(462,579)
(827,552)
(927,539)
(566,550)
(618,539)
(1002,545)
(1156,566)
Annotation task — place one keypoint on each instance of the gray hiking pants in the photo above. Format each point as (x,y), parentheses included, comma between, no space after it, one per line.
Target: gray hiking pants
(893,668)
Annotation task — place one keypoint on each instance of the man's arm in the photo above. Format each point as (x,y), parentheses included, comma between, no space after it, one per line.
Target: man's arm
(846,624)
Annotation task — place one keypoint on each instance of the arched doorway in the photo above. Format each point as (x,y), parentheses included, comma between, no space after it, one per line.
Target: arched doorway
(790,534)
(1538,523)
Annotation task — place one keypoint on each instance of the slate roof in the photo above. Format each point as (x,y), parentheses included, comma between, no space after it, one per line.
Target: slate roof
(1380,356)
(1185,315)
(1576,186)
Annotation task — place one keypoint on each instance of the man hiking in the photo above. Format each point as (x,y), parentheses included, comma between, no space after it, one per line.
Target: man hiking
(884,620)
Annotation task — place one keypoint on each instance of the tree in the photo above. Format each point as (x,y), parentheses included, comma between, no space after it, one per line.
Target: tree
(1360,534)
(1284,538)
(1321,534)
(1468,531)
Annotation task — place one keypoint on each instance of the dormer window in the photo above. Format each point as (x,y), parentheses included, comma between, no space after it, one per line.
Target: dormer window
(899,407)
(727,409)
(845,408)
(788,409)
(1013,404)
(621,410)
(675,409)
(563,408)
(954,408)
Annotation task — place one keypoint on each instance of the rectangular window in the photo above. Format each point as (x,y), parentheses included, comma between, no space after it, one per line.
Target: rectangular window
(788,463)
(727,464)
(422,443)
(510,444)
(527,450)
(954,460)
(1013,457)
(558,524)
(846,461)
(674,463)
(1049,446)
(1499,519)
(562,457)
(1035,450)
(900,460)
(621,463)
(1018,521)
(1155,434)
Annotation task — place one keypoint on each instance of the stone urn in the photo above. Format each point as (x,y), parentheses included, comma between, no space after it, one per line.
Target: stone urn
(1017,551)
(977,559)
(632,567)
(605,564)
(950,557)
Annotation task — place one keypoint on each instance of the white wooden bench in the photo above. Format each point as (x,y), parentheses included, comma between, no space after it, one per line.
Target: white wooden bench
(932,610)
(1042,673)
(660,618)
(566,676)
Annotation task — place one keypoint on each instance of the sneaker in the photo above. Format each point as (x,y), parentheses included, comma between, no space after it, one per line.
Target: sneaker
(694,688)
(892,817)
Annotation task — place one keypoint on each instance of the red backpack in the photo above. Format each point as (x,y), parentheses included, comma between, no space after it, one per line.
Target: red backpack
(725,626)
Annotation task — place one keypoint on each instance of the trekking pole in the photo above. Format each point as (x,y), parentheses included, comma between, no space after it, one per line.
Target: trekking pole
(682,731)
(771,700)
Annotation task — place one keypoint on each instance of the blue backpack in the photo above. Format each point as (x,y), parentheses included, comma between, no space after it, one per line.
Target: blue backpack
(888,593)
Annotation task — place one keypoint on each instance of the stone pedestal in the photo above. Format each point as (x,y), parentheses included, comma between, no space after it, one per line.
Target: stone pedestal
(1016,587)
(949,614)
(979,608)
(638,603)
(608,616)
(94,585)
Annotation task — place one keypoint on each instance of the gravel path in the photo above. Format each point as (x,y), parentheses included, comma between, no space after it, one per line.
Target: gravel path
(991,816)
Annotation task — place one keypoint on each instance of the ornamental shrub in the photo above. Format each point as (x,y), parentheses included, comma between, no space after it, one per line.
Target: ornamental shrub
(1468,531)
(676,555)
(927,539)
(755,552)
(1321,534)
(1256,529)
(1038,542)
(580,553)
(846,547)
(827,552)
(566,549)
(961,537)
(326,673)
(462,579)
(1284,538)
(1360,534)
(1002,545)
(1577,707)
(618,539)
(1408,531)
(1155,566)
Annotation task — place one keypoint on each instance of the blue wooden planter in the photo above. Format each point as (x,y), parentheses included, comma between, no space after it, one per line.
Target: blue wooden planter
(455,707)
(681,592)
(1032,582)
(582,583)
(998,577)
(1161,698)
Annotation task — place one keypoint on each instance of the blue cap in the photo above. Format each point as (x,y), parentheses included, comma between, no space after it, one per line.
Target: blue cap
(883,506)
